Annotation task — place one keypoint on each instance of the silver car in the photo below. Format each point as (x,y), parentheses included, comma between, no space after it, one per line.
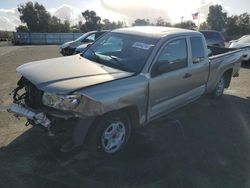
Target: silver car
(242,43)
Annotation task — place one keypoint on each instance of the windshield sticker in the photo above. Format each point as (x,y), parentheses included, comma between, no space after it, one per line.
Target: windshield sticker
(143,46)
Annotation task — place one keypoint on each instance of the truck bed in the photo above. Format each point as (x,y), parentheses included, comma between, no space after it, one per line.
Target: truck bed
(218,52)
(223,59)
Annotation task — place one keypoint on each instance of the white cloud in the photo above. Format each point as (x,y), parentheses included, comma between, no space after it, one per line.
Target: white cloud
(151,9)
(66,12)
(9,19)
(131,10)
(124,10)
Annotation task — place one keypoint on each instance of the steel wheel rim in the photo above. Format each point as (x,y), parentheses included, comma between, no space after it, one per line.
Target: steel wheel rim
(113,137)
(220,87)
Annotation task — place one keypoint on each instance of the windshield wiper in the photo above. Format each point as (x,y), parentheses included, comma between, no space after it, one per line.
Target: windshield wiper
(116,60)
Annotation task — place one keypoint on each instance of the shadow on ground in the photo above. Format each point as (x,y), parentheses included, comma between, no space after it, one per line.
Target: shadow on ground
(205,145)
(245,64)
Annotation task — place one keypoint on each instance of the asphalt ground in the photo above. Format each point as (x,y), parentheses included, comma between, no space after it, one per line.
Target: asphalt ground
(205,144)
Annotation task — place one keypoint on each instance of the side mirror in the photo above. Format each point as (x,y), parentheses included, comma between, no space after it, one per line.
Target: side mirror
(163,66)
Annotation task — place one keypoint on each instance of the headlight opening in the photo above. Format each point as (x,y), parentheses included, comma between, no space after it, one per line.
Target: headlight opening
(61,102)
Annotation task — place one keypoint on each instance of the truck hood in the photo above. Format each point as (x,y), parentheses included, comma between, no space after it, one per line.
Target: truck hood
(67,74)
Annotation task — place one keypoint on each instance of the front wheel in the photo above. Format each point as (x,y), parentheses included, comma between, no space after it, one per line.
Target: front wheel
(219,89)
(109,134)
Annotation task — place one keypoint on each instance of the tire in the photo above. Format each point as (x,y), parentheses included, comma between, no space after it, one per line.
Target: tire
(109,134)
(219,89)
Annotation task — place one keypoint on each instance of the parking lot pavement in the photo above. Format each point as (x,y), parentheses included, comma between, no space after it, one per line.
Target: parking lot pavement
(205,144)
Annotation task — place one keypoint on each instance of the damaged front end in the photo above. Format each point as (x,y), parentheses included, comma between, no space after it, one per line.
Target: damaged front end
(27,103)
(50,112)
(44,109)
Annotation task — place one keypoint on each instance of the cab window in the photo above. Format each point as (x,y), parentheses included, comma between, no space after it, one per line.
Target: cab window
(173,56)
(197,47)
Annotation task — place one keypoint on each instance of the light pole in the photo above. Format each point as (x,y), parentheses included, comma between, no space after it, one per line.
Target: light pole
(182,18)
(37,16)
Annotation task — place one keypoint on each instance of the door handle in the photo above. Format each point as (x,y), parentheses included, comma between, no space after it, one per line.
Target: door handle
(187,75)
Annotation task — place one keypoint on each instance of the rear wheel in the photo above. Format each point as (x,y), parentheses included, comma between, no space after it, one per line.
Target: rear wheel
(109,134)
(219,89)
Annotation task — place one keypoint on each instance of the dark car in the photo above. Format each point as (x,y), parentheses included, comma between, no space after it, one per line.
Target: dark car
(69,48)
(213,38)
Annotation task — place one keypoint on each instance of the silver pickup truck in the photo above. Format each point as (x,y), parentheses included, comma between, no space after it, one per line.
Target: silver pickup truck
(124,80)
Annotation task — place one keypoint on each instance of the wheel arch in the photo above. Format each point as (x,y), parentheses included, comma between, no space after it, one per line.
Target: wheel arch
(228,76)
(131,111)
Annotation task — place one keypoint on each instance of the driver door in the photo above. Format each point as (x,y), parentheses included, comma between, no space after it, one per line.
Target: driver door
(170,88)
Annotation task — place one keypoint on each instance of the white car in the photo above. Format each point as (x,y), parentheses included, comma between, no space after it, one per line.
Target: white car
(243,43)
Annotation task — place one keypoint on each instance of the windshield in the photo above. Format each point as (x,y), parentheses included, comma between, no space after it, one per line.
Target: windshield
(79,39)
(121,51)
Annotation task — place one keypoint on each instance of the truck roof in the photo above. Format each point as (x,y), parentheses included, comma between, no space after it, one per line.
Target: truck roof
(153,31)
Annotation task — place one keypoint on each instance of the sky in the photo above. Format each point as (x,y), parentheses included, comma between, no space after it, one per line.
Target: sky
(124,10)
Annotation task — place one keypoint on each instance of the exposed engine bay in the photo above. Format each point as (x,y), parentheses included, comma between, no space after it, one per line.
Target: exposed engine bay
(30,95)
(26,100)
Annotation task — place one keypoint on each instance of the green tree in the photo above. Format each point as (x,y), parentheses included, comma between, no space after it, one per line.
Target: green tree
(38,19)
(186,25)
(108,25)
(56,26)
(216,19)
(66,26)
(238,25)
(243,23)
(92,21)
(141,22)
(22,28)
(35,16)
(203,26)
(161,22)
(232,29)
(77,28)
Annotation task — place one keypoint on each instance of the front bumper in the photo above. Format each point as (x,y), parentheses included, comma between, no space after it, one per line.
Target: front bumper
(78,131)
(39,118)
(67,51)
(21,110)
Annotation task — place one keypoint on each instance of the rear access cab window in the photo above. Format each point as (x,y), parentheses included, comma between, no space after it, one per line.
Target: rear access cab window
(198,52)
